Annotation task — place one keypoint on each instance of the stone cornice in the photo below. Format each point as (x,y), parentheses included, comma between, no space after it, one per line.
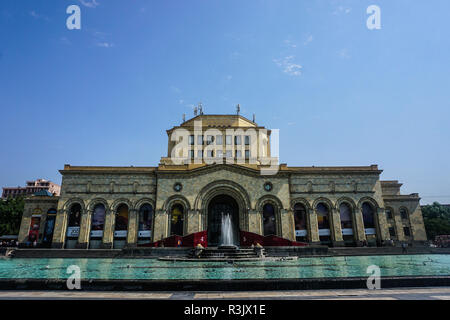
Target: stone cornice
(373,169)
(68,169)
(42,199)
(403,197)
(336,193)
(204,169)
(184,170)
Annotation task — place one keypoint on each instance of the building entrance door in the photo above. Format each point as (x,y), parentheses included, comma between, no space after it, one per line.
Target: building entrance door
(219,208)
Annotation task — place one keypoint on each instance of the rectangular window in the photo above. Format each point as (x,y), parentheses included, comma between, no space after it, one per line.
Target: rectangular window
(219,154)
(200,154)
(392,231)
(219,140)
(406,231)
(191,140)
(200,140)
(210,153)
(228,140)
(247,154)
(237,140)
(229,154)
(238,154)
(192,153)
(247,140)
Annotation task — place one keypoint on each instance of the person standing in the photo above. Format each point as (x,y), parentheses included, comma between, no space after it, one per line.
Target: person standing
(404,250)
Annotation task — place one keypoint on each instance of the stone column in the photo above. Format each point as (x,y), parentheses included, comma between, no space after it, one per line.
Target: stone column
(254,222)
(132,228)
(336,229)
(193,221)
(287,229)
(398,226)
(108,230)
(161,225)
(85,229)
(59,232)
(313,227)
(360,233)
(382,226)
(24,227)
(42,227)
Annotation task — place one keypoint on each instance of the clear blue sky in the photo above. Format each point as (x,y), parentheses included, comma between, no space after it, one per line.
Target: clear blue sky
(339,93)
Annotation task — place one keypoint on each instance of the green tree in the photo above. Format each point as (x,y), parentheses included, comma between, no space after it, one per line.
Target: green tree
(436,218)
(11,211)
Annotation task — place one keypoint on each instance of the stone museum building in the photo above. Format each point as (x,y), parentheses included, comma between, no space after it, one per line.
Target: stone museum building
(186,193)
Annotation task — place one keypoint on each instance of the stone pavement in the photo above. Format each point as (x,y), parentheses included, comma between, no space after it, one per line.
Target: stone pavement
(436,293)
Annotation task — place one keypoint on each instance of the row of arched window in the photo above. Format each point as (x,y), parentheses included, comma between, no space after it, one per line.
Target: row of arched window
(324,225)
(98,223)
(145,222)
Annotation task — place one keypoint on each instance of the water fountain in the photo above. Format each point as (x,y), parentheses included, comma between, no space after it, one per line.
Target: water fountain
(227,240)
(227,249)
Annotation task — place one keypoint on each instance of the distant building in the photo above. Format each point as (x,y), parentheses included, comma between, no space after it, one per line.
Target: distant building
(31,188)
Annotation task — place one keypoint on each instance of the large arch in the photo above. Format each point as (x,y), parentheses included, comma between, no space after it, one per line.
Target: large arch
(91,205)
(121,222)
(215,187)
(223,187)
(176,199)
(100,210)
(174,204)
(368,199)
(145,228)
(373,234)
(71,201)
(323,208)
(120,201)
(303,201)
(269,206)
(138,204)
(223,215)
(347,208)
(74,213)
(327,201)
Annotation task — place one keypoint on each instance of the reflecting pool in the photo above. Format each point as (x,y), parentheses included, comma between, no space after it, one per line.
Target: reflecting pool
(152,269)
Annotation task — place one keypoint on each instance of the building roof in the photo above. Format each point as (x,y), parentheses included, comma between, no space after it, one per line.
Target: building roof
(218,121)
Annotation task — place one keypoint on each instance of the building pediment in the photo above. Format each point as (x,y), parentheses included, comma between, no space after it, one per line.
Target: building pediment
(220,120)
(187,170)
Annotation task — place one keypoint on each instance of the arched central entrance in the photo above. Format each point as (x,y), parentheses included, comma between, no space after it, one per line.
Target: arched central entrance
(218,207)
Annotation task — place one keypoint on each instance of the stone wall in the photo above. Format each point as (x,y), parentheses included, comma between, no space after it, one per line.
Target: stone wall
(89,186)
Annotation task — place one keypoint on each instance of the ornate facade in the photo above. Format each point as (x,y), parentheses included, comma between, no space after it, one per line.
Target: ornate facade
(113,207)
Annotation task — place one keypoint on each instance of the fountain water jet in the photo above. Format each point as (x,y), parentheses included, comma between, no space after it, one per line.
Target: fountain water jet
(227,233)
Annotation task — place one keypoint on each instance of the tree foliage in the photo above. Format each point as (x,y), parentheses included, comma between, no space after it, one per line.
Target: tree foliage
(11,211)
(436,218)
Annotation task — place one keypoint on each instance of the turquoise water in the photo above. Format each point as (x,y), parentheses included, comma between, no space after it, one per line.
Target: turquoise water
(318,267)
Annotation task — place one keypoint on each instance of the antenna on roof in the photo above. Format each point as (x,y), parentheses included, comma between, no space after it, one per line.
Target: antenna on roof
(184,117)
(200,107)
(195,111)
(238,109)
(253,117)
